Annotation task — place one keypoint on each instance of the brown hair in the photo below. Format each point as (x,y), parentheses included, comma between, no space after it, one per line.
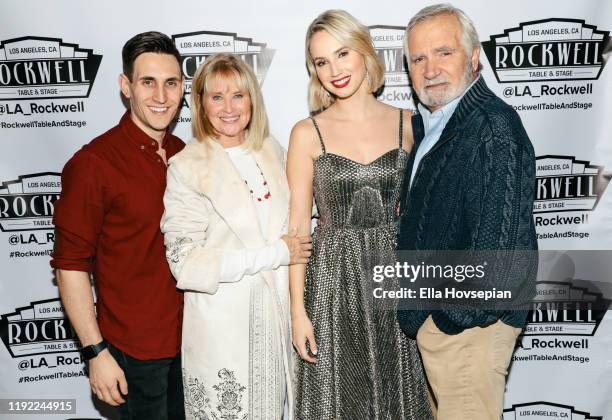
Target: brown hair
(146,42)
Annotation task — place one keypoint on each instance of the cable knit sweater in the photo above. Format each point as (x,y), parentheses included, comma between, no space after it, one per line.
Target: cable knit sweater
(473,191)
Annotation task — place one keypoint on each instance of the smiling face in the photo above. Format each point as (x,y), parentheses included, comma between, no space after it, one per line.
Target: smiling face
(440,68)
(228,108)
(154,92)
(340,69)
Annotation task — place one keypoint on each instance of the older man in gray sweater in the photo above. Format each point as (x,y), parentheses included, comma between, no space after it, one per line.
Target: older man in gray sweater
(469,186)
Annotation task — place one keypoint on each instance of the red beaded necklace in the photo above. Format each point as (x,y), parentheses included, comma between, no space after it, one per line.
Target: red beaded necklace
(267,195)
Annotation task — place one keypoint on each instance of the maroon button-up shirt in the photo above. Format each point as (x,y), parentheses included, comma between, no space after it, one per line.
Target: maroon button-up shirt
(107,223)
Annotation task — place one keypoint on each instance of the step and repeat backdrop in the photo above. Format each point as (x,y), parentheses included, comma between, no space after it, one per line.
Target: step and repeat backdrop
(59,65)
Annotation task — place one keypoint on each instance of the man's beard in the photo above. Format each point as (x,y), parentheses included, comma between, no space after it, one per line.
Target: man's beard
(443,97)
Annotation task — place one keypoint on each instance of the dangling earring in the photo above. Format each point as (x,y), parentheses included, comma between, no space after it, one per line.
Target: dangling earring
(368,79)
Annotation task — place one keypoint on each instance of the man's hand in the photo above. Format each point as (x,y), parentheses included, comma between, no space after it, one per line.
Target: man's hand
(104,376)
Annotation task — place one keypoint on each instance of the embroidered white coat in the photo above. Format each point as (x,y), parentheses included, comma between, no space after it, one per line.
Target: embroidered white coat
(236,346)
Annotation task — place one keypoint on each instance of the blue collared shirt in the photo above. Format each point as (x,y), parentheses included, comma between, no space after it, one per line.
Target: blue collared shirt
(434,123)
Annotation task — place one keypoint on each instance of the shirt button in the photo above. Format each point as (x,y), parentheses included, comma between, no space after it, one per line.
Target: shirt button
(159,160)
(152,143)
(142,147)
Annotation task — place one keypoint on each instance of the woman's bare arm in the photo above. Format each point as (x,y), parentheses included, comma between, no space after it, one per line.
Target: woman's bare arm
(300,170)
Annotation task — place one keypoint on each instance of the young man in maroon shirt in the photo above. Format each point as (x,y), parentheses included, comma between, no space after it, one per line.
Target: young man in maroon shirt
(107,224)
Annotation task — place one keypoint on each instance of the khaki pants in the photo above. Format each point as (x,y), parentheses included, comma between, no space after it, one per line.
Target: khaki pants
(467,371)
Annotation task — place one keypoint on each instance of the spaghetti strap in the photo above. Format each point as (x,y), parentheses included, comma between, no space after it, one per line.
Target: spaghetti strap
(401,128)
(319,134)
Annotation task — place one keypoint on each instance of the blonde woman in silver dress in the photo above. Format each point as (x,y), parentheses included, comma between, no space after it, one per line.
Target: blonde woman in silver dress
(355,362)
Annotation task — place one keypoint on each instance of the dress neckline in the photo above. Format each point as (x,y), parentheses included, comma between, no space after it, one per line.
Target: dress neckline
(400,149)
(324,150)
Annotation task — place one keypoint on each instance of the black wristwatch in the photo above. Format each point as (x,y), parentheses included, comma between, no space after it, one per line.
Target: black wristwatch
(89,352)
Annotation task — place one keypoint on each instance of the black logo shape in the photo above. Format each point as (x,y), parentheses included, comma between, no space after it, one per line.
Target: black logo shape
(547,50)
(389,45)
(34,67)
(538,409)
(561,308)
(41,328)
(27,202)
(564,183)
(196,47)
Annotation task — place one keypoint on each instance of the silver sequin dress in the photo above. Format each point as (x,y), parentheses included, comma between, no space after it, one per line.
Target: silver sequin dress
(367,368)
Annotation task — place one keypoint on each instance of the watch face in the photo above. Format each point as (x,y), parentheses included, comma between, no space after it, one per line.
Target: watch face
(89,352)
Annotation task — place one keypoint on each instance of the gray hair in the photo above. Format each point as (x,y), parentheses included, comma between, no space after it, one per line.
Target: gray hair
(469,36)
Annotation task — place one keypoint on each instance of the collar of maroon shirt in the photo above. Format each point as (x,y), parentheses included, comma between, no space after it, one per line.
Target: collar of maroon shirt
(141,139)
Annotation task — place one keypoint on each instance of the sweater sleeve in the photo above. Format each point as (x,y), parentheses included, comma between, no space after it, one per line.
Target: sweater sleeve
(185,225)
(498,204)
(241,262)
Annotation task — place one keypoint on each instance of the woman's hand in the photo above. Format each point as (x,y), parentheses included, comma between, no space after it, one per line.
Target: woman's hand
(303,337)
(300,248)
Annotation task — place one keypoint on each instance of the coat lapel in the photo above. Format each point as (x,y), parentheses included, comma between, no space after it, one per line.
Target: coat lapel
(218,179)
(270,159)
(225,188)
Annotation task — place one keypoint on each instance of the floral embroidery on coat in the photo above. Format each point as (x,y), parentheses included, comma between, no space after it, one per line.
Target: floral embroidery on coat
(179,248)
(196,400)
(229,398)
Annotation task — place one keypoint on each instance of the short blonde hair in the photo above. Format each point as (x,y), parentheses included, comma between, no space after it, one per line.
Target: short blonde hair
(227,66)
(350,33)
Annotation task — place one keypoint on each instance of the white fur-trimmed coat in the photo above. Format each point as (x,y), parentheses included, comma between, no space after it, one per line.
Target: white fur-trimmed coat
(236,346)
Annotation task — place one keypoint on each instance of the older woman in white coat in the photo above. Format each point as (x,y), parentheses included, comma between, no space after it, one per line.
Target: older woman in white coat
(226,214)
